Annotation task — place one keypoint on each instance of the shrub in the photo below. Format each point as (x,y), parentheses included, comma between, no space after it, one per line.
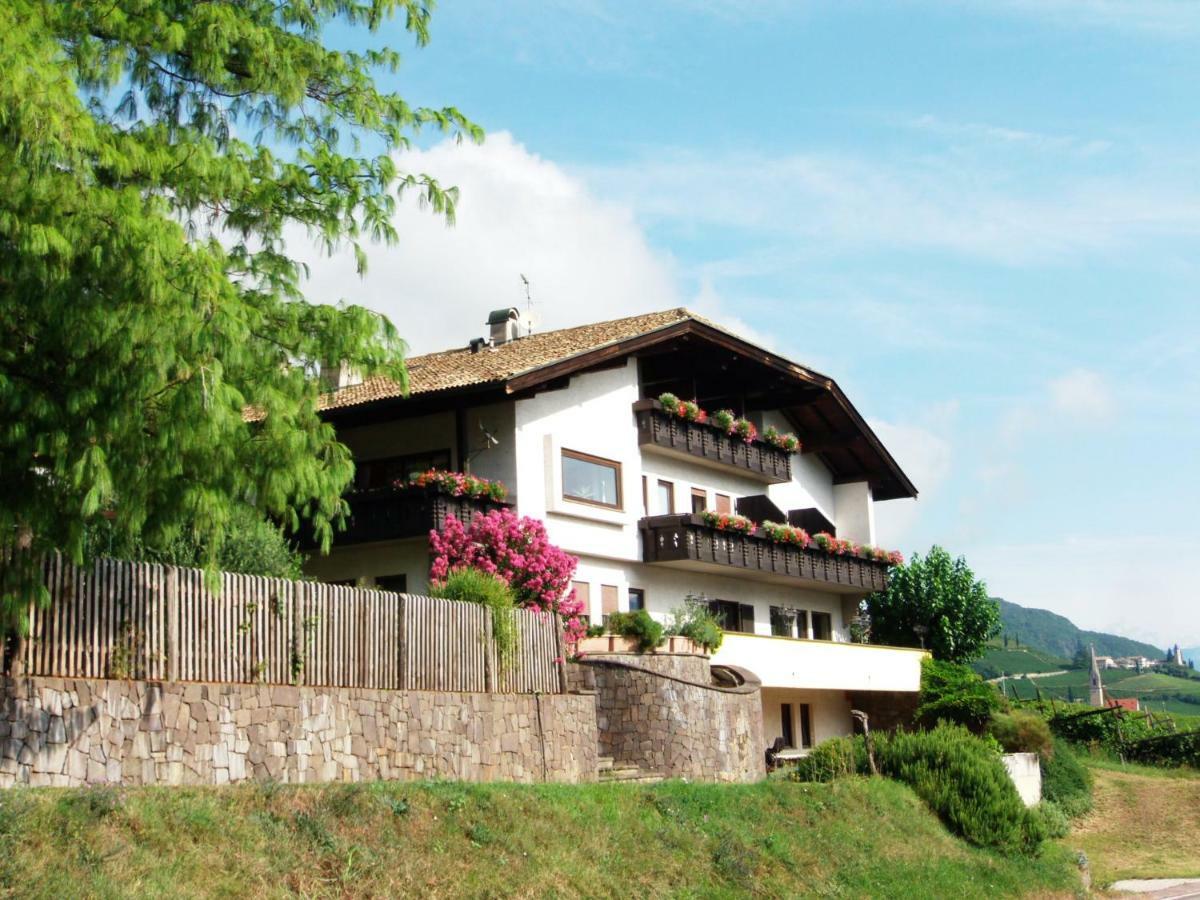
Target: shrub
(648,632)
(694,620)
(1021,731)
(1054,821)
(965,783)
(492,591)
(1066,782)
(830,760)
(953,693)
(958,775)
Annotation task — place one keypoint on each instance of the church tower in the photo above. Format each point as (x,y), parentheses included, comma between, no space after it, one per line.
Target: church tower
(1096,693)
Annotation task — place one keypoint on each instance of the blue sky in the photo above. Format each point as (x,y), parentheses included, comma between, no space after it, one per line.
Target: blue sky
(981,218)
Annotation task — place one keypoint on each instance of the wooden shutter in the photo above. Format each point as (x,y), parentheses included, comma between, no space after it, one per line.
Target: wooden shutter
(746,618)
(608,599)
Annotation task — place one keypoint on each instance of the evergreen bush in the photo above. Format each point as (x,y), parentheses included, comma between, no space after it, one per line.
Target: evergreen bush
(1066,782)
(1021,731)
(955,694)
(640,625)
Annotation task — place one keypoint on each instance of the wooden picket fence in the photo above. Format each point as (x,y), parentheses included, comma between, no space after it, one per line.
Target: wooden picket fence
(146,621)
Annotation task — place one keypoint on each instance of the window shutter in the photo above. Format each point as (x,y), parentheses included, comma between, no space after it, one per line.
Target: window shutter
(746,618)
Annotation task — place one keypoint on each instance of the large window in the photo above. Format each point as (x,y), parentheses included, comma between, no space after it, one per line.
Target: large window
(699,500)
(789,622)
(590,479)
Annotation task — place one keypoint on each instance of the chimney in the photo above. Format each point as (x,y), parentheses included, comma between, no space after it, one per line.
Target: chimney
(505,325)
(335,376)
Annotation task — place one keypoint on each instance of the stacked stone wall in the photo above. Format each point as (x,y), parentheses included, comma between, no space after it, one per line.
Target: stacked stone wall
(662,714)
(70,732)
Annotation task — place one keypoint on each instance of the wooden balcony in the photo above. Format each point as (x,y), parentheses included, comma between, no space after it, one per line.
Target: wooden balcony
(696,441)
(687,542)
(387,514)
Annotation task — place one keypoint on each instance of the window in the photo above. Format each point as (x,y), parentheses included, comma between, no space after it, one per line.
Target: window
(637,599)
(608,598)
(822,626)
(378,473)
(733,616)
(395,583)
(789,622)
(583,593)
(666,498)
(724,504)
(785,718)
(699,500)
(590,479)
(805,725)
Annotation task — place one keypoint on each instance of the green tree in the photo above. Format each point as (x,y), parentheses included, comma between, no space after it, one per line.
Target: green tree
(154,156)
(935,602)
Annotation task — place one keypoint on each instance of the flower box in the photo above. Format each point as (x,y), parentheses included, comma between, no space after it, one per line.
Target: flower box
(682,539)
(658,430)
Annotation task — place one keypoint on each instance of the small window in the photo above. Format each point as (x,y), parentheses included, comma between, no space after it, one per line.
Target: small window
(733,616)
(590,479)
(396,583)
(583,593)
(637,599)
(699,500)
(724,504)
(608,598)
(822,626)
(666,498)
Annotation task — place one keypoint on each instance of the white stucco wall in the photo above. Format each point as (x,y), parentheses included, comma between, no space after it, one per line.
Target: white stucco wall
(829,714)
(497,462)
(825,665)
(855,512)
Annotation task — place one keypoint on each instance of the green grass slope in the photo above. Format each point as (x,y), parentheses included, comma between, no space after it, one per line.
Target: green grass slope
(859,838)
(1058,635)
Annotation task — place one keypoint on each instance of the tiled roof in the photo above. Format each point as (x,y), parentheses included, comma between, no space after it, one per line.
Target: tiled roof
(461,367)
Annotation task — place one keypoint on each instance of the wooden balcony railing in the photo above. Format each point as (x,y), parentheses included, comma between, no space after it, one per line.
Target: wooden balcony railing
(687,539)
(385,514)
(660,431)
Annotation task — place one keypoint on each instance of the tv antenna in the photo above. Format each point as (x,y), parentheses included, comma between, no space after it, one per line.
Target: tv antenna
(529,316)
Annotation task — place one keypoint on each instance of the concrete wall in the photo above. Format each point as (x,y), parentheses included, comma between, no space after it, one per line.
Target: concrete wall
(1025,770)
(366,562)
(68,732)
(653,712)
(823,665)
(829,713)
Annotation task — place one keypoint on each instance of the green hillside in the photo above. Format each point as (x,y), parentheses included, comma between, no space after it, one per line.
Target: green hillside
(1156,691)
(1058,635)
(1017,661)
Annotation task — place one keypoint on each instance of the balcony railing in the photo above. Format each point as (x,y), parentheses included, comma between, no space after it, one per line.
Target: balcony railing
(709,443)
(687,539)
(385,514)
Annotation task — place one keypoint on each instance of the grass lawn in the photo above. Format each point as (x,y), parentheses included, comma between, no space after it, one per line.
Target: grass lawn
(853,838)
(1146,823)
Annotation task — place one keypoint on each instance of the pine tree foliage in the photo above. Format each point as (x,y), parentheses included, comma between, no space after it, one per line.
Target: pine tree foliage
(154,155)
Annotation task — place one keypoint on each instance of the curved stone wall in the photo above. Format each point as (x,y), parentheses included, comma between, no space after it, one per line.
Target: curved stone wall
(663,714)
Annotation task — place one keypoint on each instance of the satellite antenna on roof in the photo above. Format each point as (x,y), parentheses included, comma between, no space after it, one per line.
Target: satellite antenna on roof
(530,318)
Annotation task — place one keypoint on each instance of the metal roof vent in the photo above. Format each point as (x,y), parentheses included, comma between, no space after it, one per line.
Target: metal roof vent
(505,325)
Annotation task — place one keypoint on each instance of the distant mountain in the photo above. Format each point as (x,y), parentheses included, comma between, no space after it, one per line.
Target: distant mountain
(1057,634)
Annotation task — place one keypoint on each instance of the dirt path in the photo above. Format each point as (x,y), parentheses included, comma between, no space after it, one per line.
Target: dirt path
(1143,826)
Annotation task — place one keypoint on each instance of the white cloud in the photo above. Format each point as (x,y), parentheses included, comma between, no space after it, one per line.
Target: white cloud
(587,259)
(1082,394)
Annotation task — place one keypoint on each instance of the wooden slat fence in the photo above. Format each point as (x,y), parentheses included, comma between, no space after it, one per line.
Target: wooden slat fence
(147,621)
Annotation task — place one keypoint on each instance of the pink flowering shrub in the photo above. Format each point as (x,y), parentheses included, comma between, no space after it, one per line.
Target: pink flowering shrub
(516,550)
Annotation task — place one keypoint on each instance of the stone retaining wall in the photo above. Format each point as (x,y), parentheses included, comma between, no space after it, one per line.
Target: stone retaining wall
(662,714)
(69,732)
